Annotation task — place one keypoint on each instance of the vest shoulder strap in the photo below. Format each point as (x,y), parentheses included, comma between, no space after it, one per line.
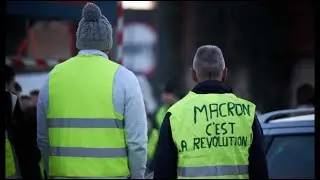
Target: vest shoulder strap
(180,103)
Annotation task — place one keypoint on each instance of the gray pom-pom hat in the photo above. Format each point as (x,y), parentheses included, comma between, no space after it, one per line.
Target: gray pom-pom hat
(94,30)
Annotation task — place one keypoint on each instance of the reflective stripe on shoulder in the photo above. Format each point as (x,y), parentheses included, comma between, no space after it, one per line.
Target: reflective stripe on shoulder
(88,152)
(85,123)
(212,171)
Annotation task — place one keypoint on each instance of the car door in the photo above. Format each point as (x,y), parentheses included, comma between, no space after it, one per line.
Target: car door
(290,152)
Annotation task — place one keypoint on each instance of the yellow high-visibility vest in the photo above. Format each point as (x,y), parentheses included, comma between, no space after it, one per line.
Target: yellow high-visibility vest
(10,165)
(213,133)
(161,114)
(86,134)
(154,135)
(152,143)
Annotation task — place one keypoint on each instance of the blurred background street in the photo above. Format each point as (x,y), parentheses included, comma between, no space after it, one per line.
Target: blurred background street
(268,46)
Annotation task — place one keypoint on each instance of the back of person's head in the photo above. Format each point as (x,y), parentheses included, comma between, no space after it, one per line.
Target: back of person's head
(24,97)
(25,102)
(17,88)
(305,95)
(34,92)
(208,63)
(170,86)
(34,97)
(94,30)
(170,93)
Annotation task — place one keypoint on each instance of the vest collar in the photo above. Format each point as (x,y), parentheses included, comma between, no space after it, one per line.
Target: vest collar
(211,86)
(93,52)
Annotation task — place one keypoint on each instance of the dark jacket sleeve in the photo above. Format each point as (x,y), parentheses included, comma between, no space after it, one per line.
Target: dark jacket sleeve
(25,146)
(12,122)
(166,157)
(18,115)
(258,168)
(8,116)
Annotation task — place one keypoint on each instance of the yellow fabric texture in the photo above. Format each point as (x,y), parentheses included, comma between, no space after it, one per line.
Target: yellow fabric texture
(10,166)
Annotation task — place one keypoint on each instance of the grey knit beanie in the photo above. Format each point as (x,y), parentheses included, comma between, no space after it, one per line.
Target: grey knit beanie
(94,30)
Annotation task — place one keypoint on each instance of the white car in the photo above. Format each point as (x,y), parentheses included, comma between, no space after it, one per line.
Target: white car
(287,115)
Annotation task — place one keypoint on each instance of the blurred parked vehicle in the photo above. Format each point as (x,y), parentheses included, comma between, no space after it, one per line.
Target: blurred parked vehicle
(289,143)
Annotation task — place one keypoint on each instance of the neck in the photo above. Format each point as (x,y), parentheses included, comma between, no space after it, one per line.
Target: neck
(209,79)
(92,52)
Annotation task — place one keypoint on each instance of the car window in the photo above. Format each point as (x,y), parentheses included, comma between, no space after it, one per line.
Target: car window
(266,142)
(291,157)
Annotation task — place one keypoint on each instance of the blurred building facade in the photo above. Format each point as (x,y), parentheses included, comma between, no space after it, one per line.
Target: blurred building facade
(268,46)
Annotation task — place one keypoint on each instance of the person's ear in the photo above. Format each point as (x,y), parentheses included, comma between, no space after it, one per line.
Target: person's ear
(224,74)
(194,75)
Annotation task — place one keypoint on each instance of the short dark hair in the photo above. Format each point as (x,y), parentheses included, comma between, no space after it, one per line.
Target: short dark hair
(305,95)
(8,73)
(34,92)
(17,87)
(170,87)
(24,97)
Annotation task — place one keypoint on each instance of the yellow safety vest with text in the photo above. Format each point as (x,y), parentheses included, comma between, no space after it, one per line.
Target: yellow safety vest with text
(86,134)
(213,133)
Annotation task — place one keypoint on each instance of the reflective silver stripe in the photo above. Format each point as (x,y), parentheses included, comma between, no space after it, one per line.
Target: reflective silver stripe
(212,171)
(12,177)
(85,123)
(88,152)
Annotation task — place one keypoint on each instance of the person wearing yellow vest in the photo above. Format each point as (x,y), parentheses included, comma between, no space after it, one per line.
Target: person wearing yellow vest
(90,113)
(168,97)
(12,111)
(11,172)
(210,133)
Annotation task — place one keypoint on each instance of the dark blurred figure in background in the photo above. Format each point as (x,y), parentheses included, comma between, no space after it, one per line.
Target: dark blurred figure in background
(31,118)
(12,113)
(305,96)
(168,98)
(20,134)
(9,79)
(25,102)
(34,97)
(17,89)
(31,135)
